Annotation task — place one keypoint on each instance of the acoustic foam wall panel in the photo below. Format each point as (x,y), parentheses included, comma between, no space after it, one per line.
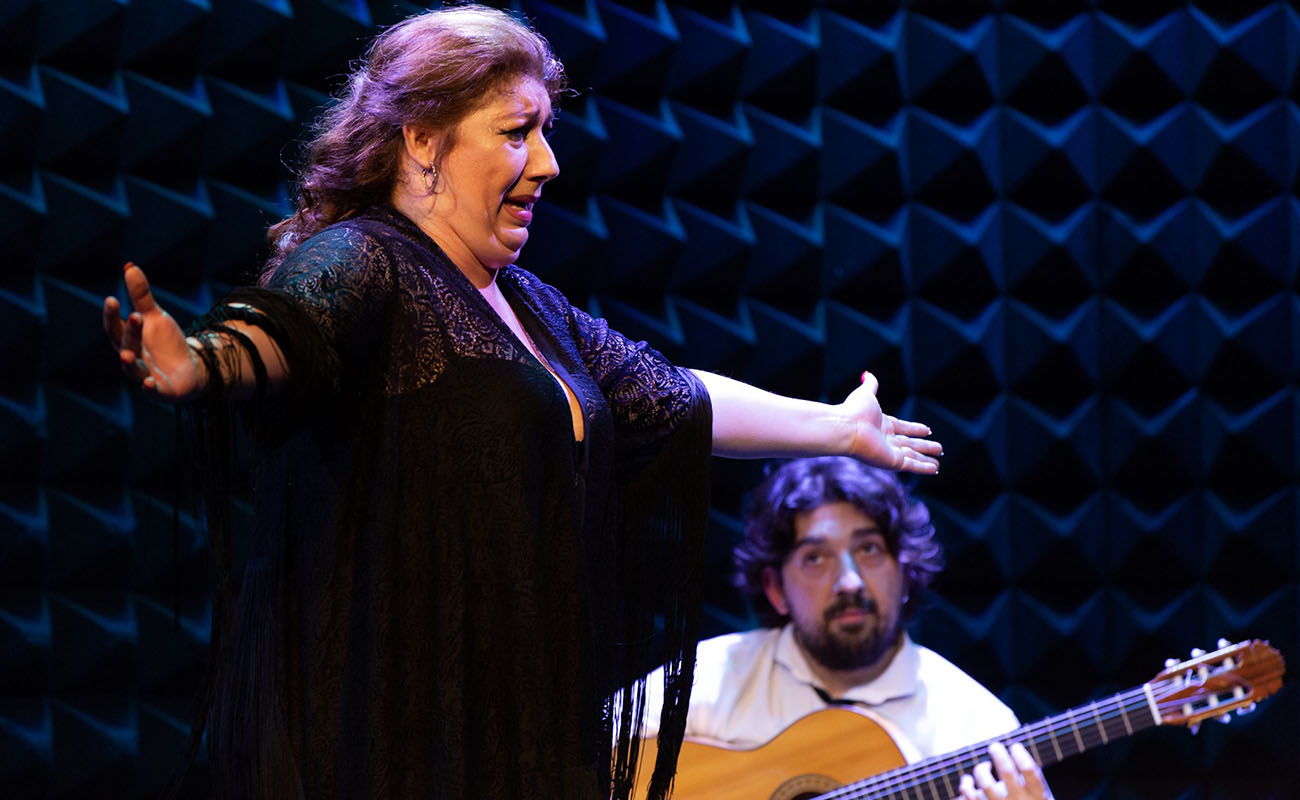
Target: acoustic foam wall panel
(1065,235)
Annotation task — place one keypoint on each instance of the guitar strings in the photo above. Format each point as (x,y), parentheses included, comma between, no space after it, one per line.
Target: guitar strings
(1038,735)
(1127,707)
(928,773)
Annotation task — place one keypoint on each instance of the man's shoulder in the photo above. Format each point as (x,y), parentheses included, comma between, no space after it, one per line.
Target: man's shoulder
(933,664)
(739,646)
(945,682)
(728,658)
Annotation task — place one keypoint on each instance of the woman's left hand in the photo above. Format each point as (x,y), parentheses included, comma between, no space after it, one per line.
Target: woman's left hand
(887,441)
(1019,777)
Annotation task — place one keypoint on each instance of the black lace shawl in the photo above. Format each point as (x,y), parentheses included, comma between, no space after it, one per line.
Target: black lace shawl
(446,596)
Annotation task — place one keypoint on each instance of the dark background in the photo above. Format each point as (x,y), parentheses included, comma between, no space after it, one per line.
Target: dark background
(1065,235)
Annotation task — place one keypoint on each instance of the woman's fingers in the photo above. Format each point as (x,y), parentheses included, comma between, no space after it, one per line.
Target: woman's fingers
(926,447)
(137,288)
(126,335)
(908,427)
(112,319)
(886,440)
(870,382)
(132,334)
(919,455)
(150,345)
(919,466)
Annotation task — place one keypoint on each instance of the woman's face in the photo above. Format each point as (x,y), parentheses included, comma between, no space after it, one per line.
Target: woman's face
(493,175)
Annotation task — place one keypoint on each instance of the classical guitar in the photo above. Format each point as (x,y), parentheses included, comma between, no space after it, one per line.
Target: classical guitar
(826,754)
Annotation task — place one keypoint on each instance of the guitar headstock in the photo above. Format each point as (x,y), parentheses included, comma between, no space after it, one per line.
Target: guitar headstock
(1234,677)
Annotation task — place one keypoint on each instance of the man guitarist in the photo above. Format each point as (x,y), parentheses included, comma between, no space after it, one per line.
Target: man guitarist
(836,559)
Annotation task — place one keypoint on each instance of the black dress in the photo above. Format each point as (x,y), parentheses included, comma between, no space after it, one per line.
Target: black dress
(446,593)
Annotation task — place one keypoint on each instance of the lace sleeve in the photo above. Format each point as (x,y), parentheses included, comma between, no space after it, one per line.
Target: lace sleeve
(648,396)
(317,307)
(339,276)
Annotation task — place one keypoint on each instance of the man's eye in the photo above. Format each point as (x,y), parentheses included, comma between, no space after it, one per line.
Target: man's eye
(871,549)
(813,558)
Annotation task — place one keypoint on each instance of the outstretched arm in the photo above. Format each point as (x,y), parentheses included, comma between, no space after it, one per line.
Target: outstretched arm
(752,423)
(1019,777)
(155,351)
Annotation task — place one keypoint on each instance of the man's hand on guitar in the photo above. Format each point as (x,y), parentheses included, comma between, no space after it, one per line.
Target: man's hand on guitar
(1019,778)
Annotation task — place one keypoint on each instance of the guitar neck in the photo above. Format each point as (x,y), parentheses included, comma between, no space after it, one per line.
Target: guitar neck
(1048,741)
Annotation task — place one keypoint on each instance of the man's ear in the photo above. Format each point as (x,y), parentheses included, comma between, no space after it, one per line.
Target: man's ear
(775,594)
(421,144)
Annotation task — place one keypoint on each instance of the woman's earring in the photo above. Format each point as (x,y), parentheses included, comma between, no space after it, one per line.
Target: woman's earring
(429,177)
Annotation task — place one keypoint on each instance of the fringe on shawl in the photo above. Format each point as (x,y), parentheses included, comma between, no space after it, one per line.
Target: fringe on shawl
(212,422)
(664,521)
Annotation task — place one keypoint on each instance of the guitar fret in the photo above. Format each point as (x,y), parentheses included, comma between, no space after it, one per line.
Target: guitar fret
(1033,742)
(1055,745)
(1128,727)
(974,759)
(1069,717)
(1101,726)
(948,791)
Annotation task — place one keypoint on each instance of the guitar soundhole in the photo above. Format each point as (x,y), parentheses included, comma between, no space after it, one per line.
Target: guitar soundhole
(805,787)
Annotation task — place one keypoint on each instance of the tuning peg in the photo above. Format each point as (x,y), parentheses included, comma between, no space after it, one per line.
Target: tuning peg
(1222,643)
(1225,719)
(1197,652)
(1169,662)
(1246,709)
(1194,728)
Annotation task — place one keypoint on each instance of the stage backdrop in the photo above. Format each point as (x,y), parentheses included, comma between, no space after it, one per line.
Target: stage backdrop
(1063,234)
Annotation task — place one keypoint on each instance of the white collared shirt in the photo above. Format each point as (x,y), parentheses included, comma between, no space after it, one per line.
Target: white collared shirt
(751,686)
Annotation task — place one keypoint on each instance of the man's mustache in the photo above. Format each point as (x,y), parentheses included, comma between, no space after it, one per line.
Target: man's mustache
(851,602)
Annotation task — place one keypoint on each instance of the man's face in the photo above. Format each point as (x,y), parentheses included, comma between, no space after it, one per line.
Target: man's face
(841,587)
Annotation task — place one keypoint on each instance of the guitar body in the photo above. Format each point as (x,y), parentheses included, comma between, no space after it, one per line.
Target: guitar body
(820,752)
(838,746)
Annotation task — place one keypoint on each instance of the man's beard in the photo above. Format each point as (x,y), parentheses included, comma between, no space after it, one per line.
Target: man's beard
(842,653)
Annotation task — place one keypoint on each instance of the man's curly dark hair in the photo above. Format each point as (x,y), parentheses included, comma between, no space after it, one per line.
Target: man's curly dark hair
(808,483)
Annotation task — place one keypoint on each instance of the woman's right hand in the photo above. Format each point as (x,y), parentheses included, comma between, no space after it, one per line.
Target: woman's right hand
(152,347)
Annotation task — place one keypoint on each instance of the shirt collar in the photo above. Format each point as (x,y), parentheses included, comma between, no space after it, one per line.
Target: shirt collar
(898,680)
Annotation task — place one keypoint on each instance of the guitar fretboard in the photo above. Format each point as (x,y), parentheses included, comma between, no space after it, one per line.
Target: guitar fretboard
(1048,741)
